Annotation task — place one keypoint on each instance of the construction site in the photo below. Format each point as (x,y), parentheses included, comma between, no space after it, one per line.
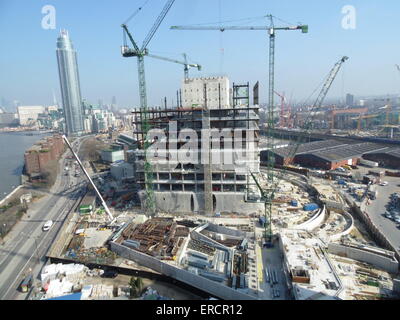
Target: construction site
(208,198)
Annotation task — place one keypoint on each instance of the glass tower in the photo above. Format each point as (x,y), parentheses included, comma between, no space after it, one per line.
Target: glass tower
(69,83)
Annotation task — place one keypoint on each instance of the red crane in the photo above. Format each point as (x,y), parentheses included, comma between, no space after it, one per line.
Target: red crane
(282,120)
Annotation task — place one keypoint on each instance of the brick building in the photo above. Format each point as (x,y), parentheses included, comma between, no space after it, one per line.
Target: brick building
(39,155)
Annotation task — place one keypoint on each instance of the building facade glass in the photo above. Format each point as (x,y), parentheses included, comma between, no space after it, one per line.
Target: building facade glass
(70,85)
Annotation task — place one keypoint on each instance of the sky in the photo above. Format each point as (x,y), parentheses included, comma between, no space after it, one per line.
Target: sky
(28,64)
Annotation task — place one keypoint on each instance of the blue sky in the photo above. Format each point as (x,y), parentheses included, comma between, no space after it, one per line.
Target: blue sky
(28,65)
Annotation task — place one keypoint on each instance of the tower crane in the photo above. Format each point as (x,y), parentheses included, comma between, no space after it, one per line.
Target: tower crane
(271,29)
(268,194)
(140,53)
(324,91)
(185,63)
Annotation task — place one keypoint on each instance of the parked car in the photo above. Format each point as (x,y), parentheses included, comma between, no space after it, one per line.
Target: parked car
(383,183)
(387,215)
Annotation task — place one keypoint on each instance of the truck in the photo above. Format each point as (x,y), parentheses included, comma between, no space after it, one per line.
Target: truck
(379,174)
(86,209)
(26,284)
(369,163)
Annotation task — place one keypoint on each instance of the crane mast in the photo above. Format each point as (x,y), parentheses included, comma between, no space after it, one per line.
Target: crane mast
(90,180)
(140,53)
(328,83)
(271,82)
(320,99)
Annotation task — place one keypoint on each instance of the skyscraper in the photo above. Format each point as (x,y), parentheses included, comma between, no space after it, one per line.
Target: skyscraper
(69,83)
(349,100)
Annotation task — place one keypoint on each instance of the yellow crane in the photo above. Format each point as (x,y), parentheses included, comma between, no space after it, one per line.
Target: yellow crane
(364,117)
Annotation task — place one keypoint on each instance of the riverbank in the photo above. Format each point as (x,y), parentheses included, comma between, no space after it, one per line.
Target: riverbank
(25,129)
(14,145)
(8,197)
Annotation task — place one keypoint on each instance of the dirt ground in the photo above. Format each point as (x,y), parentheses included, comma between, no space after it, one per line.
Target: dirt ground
(90,148)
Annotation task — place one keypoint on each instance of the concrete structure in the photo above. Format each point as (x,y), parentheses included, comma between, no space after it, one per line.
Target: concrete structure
(112,156)
(209,172)
(121,170)
(190,257)
(29,114)
(218,95)
(70,85)
(127,140)
(377,257)
(301,252)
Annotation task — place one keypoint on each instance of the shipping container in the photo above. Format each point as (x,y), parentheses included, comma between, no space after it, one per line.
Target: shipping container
(310,207)
(368,163)
(294,203)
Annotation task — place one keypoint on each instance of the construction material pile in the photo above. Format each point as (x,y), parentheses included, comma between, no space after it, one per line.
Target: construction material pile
(158,237)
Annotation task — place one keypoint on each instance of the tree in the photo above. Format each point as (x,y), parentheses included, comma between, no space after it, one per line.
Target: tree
(136,285)
(133,289)
(139,284)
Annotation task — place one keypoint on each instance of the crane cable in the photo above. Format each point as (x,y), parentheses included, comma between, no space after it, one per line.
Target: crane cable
(222,50)
(130,18)
(136,12)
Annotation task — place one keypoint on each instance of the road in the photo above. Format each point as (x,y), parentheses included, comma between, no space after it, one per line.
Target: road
(378,207)
(26,245)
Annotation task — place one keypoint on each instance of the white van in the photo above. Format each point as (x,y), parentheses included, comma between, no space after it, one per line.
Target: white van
(47,225)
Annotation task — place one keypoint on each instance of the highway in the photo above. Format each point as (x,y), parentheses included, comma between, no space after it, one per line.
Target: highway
(26,245)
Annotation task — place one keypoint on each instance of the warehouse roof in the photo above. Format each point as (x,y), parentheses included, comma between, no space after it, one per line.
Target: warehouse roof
(347,151)
(394,152)
(308,147)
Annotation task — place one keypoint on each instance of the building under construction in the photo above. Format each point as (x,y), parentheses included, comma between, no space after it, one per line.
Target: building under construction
(201,152)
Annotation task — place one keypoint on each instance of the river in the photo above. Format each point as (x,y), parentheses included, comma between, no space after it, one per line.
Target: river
(12,149)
